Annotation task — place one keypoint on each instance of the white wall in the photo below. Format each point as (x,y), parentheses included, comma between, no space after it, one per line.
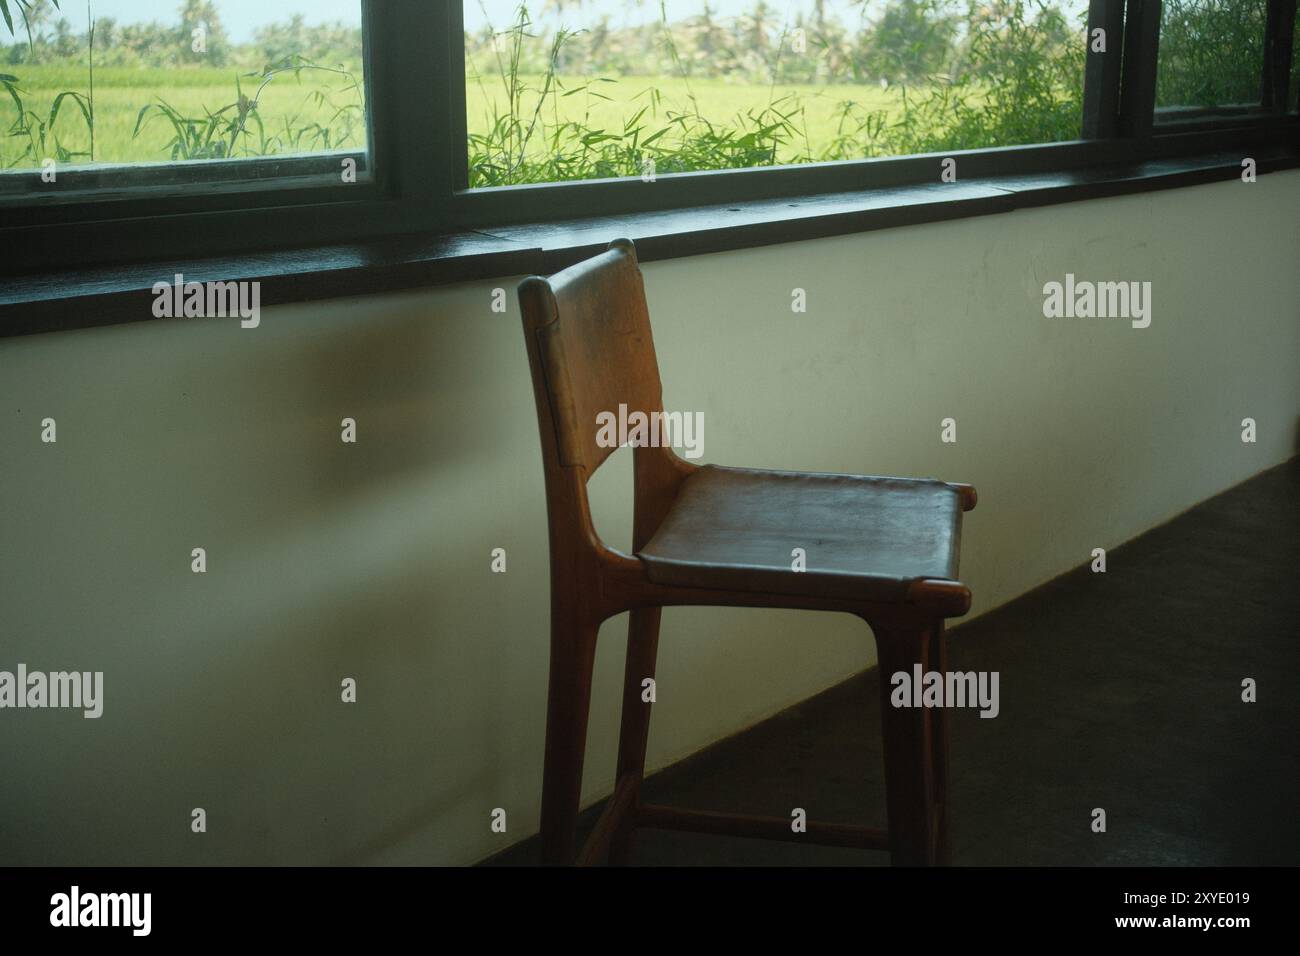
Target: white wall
(372,561)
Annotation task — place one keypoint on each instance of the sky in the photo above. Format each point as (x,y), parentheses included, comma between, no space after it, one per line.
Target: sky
(242,17)
(583,14)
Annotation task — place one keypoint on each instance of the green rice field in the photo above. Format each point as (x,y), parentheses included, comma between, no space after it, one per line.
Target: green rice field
(289,104)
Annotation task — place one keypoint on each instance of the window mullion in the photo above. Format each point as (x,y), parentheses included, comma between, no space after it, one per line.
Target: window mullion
(410,72)
(1102,71)
(457,122)
(1138,82)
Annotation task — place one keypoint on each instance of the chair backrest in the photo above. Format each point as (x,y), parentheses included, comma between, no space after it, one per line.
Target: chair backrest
(591,352)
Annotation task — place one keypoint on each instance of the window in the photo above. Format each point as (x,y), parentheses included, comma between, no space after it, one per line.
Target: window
(113,93)
(233,126)
(607,88)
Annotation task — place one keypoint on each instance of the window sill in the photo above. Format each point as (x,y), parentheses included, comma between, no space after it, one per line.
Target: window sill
(76,299)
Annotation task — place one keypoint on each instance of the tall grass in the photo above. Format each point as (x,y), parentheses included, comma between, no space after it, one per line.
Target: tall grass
(1020,81)
(1211,52)
(537,136)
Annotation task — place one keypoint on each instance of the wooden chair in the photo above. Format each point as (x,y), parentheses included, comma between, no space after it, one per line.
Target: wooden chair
(884,549)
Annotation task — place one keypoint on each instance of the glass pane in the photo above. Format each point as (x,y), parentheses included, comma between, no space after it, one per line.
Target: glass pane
(127,82)
(1211,53)
(606,88)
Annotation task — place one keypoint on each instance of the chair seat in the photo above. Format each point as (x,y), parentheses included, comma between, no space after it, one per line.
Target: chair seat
(865,538)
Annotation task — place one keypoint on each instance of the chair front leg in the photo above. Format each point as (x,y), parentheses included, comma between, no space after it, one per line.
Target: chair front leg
(573,655)
(915,746)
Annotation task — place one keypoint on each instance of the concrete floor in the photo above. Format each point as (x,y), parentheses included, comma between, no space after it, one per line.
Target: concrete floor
(1119,690)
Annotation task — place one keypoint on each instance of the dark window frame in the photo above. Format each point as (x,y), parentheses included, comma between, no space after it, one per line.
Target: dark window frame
(417,172)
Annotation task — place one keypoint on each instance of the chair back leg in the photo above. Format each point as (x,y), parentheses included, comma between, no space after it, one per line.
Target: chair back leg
(939,747)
